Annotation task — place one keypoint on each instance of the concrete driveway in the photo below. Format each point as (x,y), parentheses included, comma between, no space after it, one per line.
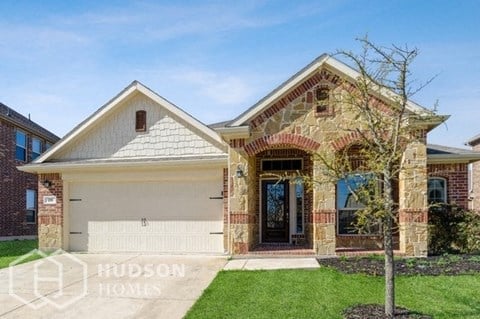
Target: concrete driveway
(106,286)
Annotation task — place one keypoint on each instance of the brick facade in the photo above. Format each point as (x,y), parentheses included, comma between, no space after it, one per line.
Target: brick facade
(456,176)
(13,186)
(14,183)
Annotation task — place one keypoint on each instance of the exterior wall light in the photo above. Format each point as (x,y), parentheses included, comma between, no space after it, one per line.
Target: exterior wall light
(239,173)
(47,183)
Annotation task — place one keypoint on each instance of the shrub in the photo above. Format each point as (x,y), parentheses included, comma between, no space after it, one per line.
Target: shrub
(469,232)
(443,229)
(452,229)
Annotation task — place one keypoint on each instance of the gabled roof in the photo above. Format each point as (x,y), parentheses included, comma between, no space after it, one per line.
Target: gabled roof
(10,115)
(303,74)
(447,154)
(133,88)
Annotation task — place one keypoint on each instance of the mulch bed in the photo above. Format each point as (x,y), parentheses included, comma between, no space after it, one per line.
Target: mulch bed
(373,311)
(429,266)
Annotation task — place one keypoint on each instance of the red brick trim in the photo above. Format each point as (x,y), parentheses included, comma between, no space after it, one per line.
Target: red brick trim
(237,143)
(303,87)
(413,215)
(50,219)
(281,140)
(242,218)
(324,216)
(341,142)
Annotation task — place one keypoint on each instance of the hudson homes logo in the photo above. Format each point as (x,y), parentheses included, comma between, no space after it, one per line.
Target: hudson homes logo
(61,279)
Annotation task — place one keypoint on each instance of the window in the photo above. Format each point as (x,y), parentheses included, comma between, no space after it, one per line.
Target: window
(21,146)
(437,190)
(299,208)
(348,203)
(281,165)
(31,212)
(47,145)
(36,148)
(141,121)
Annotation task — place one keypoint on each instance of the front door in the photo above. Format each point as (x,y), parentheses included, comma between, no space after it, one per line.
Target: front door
(275,211)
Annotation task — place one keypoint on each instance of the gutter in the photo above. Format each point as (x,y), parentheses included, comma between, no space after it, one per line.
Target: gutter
(58,167)
(452,158)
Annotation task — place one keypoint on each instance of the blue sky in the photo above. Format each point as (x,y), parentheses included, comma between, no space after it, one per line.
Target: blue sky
(61,60)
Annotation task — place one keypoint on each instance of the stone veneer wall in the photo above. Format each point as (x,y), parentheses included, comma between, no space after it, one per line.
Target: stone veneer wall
(413,212)
(294,121)
(456,176)
(475,204)
(50,217)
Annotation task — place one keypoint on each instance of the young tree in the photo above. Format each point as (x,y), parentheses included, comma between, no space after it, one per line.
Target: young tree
(384,127)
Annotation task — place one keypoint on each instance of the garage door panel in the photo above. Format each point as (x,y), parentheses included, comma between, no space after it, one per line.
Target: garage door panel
(170,216)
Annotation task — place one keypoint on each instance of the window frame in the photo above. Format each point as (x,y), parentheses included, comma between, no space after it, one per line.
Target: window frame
(34,154)
(18,146)
(351,210)
(33,209)
(445,190)
(281,161)
(141,121)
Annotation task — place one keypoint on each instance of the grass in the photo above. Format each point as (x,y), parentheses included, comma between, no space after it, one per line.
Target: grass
(325,293)
(11,250)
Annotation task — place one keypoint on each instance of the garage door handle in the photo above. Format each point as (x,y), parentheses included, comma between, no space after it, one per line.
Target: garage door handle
(216,233)
(75,232)
(216,197)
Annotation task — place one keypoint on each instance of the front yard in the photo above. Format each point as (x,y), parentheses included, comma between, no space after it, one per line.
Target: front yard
(326,292)
(11,250)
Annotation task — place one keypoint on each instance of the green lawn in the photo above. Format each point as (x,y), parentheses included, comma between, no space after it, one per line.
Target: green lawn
(11,250)
(324,293)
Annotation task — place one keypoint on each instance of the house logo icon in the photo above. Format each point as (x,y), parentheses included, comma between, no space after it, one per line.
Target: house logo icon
(58,279)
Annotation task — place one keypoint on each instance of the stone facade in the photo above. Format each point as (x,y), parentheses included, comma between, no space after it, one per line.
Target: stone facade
(50,216)
(475,203)
(295,123)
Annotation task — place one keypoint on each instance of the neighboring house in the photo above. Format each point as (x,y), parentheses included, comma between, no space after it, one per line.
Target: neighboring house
(140,174)
(474,142)
(21,140)
(448,172)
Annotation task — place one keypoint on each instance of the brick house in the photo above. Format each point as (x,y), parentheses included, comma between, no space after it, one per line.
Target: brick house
(140,174)
(21,140)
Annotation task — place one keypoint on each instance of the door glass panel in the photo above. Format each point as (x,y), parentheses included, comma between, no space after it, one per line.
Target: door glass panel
(299,207)
(275,197)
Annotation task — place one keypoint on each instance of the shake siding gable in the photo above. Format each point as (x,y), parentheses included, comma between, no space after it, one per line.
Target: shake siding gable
(116,136)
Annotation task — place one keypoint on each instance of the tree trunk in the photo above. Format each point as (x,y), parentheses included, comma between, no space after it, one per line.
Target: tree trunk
(388,247)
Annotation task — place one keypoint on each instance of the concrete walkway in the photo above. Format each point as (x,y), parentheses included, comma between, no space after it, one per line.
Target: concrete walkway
(71,286)
(271,263)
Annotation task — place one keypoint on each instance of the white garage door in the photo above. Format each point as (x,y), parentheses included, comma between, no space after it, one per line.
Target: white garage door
(172,217)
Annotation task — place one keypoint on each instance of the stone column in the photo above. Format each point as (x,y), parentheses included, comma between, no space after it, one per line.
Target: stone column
(323,213)
(50,212)
(413,210)
(242,203)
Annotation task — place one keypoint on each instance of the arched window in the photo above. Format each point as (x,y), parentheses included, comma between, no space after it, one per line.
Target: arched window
(437,190)
(141,121)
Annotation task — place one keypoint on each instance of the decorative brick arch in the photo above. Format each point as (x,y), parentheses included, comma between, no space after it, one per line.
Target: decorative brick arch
(342,142)
(281,140)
